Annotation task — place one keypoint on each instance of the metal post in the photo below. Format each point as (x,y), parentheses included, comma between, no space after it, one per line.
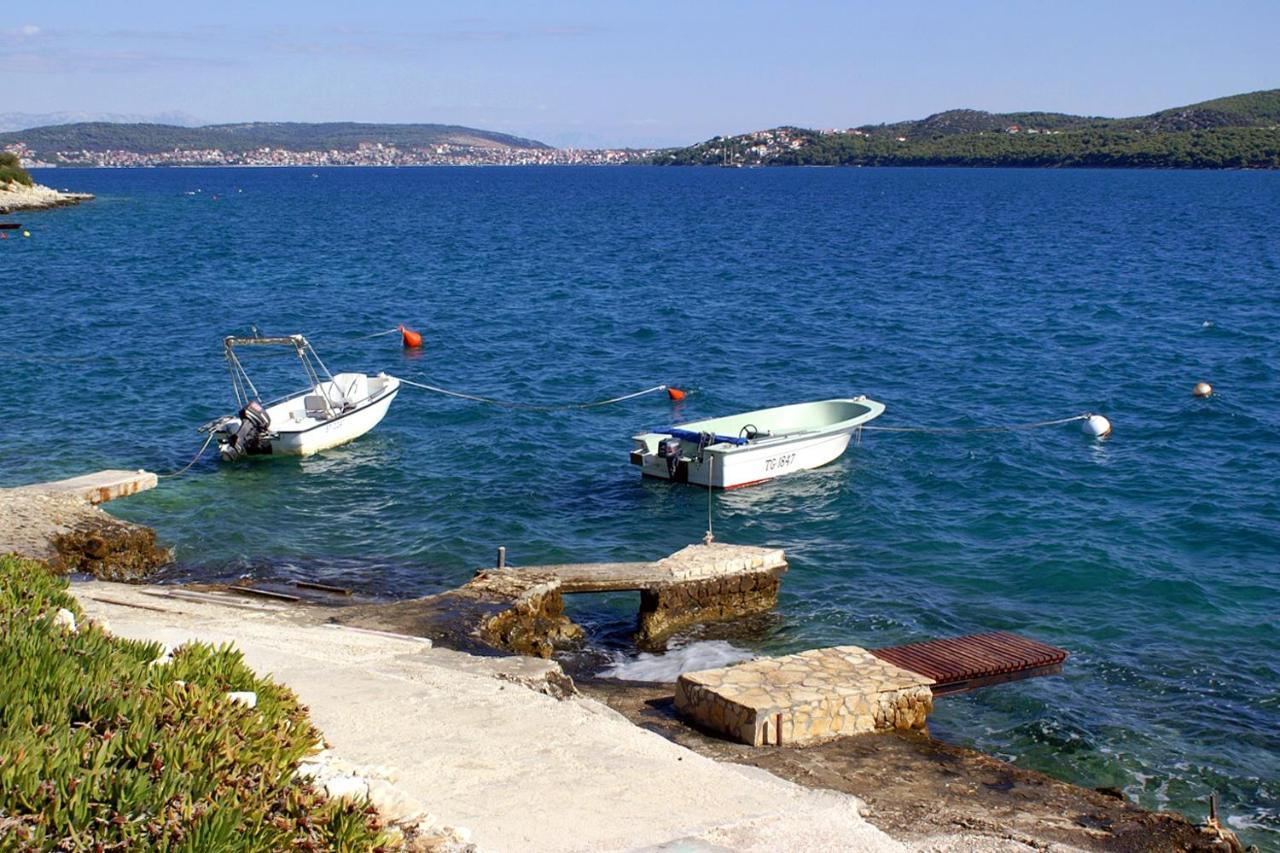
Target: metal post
(502,556)
(711,471)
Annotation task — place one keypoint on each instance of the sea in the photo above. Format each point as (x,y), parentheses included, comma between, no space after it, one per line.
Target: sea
(959,298)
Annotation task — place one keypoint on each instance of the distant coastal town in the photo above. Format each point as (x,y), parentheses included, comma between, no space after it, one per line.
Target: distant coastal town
(1235,132)
(365,154)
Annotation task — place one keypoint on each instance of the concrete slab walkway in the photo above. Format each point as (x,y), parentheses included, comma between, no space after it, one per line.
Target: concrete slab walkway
(521,770)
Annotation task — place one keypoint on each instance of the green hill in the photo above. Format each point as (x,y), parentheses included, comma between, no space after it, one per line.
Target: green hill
(1256,109)
(44,143)
(1240,131)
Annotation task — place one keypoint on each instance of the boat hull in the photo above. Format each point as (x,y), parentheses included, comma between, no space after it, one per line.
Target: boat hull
(333,433)
(726,465)
(732,471)
(305,423)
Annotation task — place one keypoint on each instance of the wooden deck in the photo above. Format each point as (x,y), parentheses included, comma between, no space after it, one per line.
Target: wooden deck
(979,660)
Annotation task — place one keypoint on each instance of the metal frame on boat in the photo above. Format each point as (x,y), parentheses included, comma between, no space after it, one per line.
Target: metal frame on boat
(332,410)
(739,450)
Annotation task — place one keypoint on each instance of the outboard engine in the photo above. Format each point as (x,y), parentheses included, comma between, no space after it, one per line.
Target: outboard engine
(669,449)
(251,436)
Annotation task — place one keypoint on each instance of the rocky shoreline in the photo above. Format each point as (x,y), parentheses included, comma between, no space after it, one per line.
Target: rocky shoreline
(917,792)
(919,789)
(61,526)
(15,197)
(920,793)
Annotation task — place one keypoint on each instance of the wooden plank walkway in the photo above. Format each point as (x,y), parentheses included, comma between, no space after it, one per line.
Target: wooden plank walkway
(959,664)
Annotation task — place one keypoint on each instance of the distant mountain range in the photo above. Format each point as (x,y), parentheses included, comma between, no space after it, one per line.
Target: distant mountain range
(61,143)
(1240,131)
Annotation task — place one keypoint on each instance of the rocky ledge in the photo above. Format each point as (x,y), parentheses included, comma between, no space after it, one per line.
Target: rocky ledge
(929,794)
(61,525)
(520,613)
(15,196)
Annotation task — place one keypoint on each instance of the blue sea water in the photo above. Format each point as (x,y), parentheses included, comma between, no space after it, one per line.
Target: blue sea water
(957,297)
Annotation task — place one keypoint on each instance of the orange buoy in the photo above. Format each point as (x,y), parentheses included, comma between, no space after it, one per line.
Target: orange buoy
(675,393)
(412,339)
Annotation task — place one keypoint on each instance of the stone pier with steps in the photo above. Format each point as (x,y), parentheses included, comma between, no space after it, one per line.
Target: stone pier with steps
(522,609)
(60,524)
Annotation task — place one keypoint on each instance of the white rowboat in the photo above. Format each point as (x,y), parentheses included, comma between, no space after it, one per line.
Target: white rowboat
(329,412)
(739,450)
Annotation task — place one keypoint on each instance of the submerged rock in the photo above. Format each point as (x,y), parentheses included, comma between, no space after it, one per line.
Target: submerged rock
(110,549)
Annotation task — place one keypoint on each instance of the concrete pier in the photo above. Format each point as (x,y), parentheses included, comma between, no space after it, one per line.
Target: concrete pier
(521,610)
(700,583)
(60,524)
(102,486)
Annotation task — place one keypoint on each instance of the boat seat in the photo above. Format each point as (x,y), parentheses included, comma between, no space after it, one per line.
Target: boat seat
(314,405)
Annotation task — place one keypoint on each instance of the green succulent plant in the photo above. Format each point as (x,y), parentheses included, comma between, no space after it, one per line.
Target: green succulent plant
(101,750)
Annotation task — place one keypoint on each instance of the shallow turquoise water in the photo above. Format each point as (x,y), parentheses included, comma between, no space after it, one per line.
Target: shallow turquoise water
(955,297)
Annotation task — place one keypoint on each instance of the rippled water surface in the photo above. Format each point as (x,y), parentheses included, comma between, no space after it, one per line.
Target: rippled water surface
(955,297)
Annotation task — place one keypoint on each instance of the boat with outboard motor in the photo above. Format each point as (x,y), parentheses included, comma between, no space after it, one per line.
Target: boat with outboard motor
(332,410)
(739,450)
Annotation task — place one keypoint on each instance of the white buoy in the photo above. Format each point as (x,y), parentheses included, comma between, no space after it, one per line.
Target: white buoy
(1202,389)
(1096,426)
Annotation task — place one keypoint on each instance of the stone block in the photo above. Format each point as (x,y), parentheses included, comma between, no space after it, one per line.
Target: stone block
(805,698)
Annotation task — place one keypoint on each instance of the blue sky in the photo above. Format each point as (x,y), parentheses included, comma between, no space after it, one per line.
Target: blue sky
(614,73)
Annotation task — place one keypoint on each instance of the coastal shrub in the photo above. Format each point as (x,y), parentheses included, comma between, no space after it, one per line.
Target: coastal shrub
(11,169)
(104,747)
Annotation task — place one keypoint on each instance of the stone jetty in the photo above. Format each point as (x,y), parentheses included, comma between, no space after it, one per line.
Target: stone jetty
(522,609)
(60,524)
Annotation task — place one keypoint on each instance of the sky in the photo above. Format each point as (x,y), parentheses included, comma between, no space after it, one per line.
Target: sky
(613,74)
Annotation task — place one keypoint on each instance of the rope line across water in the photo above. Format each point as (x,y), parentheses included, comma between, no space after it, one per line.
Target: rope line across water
(955,430)
(529,407)
(391,331)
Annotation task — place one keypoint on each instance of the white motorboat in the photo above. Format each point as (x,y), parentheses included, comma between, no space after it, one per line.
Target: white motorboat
(332,410)
(739,450)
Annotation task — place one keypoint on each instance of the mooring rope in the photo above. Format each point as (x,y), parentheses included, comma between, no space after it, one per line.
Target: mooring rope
(529,407)
(390,331)
(194,459)
(954,430)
